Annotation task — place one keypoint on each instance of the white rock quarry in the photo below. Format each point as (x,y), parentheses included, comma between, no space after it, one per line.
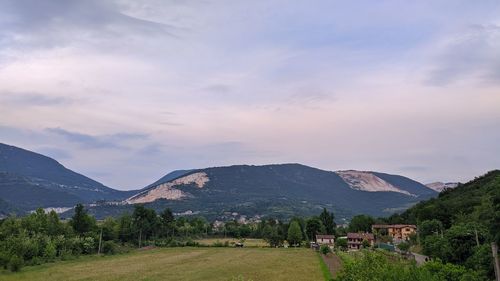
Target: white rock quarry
(366,181)
(168,191)
(440,186)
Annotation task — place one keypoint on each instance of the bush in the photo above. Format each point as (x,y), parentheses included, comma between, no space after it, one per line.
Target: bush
(16,263)
(4,259)
(109,247)
(404,247)
(50,251)
(325,249)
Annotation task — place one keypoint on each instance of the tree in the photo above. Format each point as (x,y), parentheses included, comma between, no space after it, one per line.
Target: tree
(314,226)
(341,243)
(361,223)
(294,234)
(328,221)
(54,225)
(430,227)
(144,221)
(272,236)
(366,244)
(81,221)
(325,249)
(125,228)
(404,247)
(437,247)
(167,221)
(109,229)
(462,240)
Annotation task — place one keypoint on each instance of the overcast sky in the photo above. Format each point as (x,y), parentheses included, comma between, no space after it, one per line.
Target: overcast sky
(127,91)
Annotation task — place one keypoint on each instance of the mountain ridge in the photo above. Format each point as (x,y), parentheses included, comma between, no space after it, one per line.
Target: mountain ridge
(29,180)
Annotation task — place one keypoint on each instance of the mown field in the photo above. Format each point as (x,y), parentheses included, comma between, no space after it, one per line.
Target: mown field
(179,264)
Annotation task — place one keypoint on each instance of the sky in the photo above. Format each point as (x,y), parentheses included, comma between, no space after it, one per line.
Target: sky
(127,91)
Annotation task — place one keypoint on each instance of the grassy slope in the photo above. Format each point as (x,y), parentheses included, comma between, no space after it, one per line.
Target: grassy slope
(183,264)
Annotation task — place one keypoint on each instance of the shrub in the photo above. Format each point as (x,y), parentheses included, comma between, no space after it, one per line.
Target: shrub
(325,249)
(109,247)
(4,259)
(404,247)
(16,263)
(50,251)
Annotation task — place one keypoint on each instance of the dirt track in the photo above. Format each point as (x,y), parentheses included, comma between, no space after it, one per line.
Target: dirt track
(333,262)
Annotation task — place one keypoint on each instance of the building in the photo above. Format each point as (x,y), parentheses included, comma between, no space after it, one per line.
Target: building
(355,240)
(325,240)
(396,231)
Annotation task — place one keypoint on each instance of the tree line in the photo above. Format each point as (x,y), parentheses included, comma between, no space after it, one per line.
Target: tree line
(43,237)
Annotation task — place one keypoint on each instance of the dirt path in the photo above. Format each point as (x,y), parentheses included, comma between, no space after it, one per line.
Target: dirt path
(333,262)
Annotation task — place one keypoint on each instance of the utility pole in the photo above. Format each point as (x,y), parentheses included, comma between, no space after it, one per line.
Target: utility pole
(494,249)
(140,237)
(477,238)
(100,243)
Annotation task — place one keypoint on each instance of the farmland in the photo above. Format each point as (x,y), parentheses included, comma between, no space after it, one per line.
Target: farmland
(183,264)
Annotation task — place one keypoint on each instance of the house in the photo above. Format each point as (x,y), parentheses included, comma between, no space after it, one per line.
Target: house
(396,231)
(355,240)
(325,240)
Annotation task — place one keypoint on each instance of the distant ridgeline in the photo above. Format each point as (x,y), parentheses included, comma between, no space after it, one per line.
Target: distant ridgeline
(29,180)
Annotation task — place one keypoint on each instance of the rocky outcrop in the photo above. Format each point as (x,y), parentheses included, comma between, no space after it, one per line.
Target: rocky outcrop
(366,181)
(168,190)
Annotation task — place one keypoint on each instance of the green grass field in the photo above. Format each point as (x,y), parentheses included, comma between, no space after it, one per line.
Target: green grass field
(206,264)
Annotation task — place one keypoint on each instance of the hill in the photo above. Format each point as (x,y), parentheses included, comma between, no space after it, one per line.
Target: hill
(477,201)
(29,180)
(282,190)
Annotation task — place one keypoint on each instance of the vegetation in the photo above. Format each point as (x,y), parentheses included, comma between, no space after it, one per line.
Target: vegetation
(183,264)
(294,234)
(40,237)
(325,249)
(458,226)
(373,265)
(327,275)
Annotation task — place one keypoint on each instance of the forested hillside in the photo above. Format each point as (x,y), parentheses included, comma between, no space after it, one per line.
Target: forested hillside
(477,201)
(29,180)
(459,225)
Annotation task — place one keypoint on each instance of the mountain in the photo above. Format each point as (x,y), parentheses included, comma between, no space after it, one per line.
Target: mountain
(440,186)
(281,191)
(29,180)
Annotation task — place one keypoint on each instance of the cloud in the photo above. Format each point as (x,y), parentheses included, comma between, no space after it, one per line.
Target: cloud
(113,141)
(31,24)
(54,152)
(33,99)
(472,54)
(84,140)
(134,89)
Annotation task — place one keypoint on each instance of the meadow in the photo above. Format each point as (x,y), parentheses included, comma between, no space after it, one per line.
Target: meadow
(182,264)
